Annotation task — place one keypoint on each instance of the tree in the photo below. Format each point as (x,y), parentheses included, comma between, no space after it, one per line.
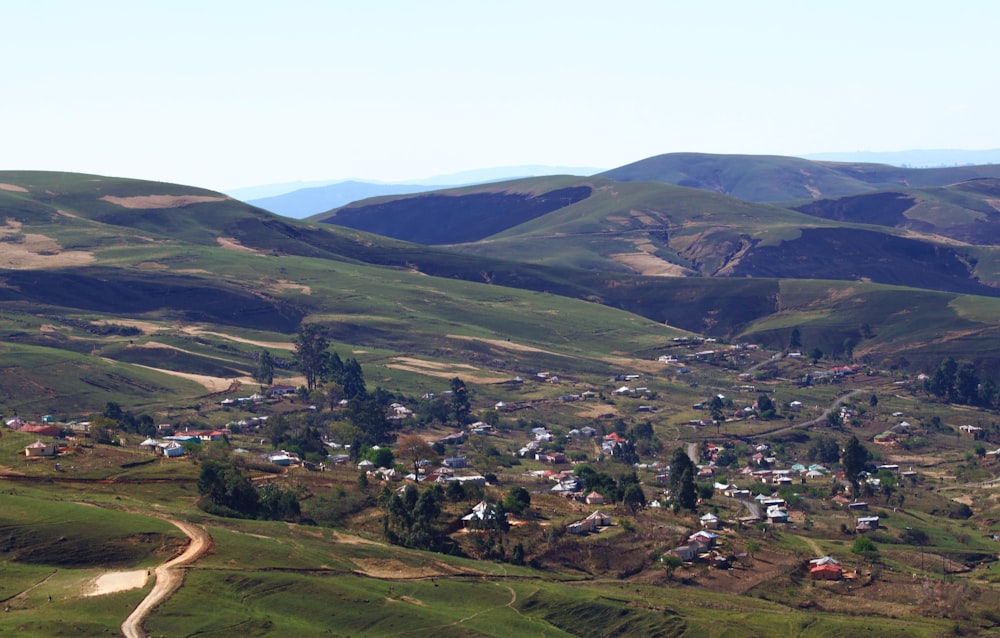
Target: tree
(682,480)
(824,449)
(765,406)
(873,401)
(866,547)
(718,417)
(942,383)
(460,406)
(368,415)
(381,457)
(518,500)
(264,371)
(352,379)
(987,393)
(855,457)
(967,384)
(795,340)
(634,498)
(848,348)
(113,411)
(816,355)
(671,562)
(310,352)
(413,448)
(626,452)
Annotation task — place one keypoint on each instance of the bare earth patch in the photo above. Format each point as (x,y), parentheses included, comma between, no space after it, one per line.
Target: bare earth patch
(280,345)
(232,244)
(595,410)
(509,345)
(114,582)
(13,188)
(391,568)
(446,373)
(212,384)
(161,201)
(434,365)
(32,252)
(284,284)
(650,265)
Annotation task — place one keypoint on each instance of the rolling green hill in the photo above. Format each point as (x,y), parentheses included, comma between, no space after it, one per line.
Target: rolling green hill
(80,250)
(762,178)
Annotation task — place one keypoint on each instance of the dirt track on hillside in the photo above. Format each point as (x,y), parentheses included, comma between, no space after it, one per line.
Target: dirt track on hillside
(169,578)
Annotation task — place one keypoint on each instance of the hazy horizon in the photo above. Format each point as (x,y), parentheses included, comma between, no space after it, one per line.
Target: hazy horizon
(227,94)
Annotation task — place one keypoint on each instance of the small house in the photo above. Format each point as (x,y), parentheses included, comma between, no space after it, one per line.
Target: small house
(686,553)
(455,462)
(581,527)
(594,498)
(172,449)
(705,538)
(600,519)
(710,521)
(867,524)
(40,449)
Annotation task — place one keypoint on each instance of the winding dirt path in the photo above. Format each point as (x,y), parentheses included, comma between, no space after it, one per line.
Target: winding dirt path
(169,578)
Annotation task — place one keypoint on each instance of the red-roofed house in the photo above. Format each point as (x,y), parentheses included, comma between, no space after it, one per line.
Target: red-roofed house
(826,571)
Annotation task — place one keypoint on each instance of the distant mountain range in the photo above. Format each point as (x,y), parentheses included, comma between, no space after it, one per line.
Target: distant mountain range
(299,200)
(913,159)
(302,199)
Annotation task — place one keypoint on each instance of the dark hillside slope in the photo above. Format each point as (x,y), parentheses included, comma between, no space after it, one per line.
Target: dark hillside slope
(861,255)
(131,293)
(967,211)
(452,217)
(761,178)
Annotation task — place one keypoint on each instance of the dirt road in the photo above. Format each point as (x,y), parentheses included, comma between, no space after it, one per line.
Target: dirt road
(169,578)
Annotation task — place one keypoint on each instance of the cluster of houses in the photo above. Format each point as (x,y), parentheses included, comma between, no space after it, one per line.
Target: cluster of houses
(47,428)
(443,474)
(173,445)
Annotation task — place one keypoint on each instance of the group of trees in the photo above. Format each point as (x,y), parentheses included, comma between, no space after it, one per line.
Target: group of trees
(226,490)
(317,363)
(453,407)
(622,489)
(114,418)
(411,518)
(960,383)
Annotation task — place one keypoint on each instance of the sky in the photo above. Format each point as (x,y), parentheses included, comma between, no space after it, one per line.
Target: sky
(223,94)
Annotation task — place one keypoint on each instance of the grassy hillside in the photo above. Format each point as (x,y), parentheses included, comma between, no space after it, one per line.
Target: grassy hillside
(759,178)
(82,250)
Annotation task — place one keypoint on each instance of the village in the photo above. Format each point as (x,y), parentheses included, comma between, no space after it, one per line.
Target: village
(748,490)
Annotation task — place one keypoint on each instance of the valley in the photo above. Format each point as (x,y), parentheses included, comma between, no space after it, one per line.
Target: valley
(781,421)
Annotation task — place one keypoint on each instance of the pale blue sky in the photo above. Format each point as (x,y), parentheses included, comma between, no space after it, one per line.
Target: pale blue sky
(226,94)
